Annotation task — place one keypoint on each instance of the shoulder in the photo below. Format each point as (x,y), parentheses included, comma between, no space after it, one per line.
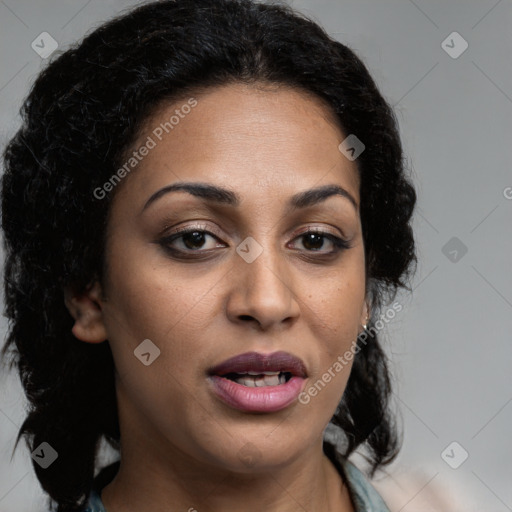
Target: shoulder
(94,504)
(104,477)
(364,496)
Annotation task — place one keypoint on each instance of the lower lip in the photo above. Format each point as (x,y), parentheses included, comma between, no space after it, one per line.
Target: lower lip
(260,399)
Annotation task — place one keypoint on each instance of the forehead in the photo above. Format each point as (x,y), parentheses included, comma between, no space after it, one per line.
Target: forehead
(242,136)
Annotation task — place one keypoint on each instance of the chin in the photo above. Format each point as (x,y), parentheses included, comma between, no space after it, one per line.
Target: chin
(258,453)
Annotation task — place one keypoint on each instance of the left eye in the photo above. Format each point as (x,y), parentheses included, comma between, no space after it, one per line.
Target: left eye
(314,240)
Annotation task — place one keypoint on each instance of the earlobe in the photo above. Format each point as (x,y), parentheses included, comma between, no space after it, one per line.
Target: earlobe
(365,314)
(86,309)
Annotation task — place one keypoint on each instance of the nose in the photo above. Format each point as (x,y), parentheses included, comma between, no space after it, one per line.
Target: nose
(263,292)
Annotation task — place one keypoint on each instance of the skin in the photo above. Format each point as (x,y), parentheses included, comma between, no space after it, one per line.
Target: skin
(180,444)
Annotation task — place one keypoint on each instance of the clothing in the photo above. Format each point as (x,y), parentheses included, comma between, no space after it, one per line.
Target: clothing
(364,496)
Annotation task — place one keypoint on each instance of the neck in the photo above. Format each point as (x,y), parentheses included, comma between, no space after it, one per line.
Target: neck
(310,483)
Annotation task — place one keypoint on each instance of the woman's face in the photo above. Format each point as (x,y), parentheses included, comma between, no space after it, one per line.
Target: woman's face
(203,298)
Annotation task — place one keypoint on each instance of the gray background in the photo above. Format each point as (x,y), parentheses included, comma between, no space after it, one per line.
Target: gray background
(451,344)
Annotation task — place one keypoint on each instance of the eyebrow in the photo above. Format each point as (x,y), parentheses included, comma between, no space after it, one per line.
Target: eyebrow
(224,196)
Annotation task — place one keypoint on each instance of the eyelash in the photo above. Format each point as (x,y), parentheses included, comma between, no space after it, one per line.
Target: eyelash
(340,244)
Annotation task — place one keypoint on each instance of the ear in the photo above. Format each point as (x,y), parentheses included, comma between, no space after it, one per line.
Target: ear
(365,313)
(86,309)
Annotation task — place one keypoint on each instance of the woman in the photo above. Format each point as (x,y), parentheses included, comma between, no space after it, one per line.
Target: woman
(205,213)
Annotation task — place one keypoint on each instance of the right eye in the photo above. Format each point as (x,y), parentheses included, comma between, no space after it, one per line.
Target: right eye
(190,239)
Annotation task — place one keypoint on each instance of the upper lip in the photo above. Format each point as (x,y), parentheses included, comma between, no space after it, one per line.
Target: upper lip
(254,361)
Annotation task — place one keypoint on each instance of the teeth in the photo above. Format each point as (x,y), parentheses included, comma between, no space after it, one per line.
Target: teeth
(257,382)
(262,373)
(271,380)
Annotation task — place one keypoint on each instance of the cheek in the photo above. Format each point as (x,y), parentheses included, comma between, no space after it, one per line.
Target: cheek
(162,303)
(335,308)
(335,314)
(158,306)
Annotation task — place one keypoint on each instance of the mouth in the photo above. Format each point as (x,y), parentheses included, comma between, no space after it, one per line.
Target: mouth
(253,379)
(254,382)
(254,364)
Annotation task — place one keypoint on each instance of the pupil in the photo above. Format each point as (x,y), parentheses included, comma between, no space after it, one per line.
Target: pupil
(196,237)
(310,237)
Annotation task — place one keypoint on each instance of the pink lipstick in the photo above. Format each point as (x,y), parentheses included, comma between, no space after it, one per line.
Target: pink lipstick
(254,382)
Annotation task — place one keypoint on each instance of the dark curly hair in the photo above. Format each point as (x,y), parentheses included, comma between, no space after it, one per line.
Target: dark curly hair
(82,114)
